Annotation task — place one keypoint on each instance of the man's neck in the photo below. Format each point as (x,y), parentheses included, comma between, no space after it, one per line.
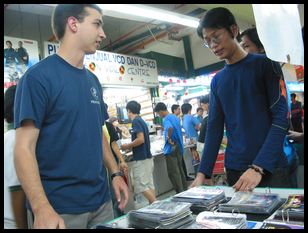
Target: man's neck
(134,116)
(237,55)
(71,54)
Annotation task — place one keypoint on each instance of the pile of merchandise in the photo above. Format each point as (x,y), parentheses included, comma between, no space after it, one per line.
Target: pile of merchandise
(252,202)
(201,197)
(161,215)
(217,220)
(289,216)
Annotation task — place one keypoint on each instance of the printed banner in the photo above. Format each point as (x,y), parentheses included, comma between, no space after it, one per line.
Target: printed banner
(50,48)
(122,70)
(19,55)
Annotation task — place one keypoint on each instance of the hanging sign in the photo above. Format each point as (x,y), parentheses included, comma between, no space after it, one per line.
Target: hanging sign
(124,70)
(50,48)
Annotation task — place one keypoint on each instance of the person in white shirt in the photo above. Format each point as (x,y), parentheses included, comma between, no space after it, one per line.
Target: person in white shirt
(14,197)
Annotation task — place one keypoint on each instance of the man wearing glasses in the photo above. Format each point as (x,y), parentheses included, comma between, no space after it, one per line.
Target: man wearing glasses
(246,97)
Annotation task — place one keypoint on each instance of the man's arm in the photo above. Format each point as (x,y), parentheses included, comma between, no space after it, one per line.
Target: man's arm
(28,173)
(118,183)
(122,164)
(137,142)
(214,135)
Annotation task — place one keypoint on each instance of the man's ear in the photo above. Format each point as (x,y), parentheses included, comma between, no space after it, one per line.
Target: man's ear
(72,24)
(234,30)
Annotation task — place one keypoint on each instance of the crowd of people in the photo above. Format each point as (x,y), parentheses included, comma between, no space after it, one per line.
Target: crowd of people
(68,166)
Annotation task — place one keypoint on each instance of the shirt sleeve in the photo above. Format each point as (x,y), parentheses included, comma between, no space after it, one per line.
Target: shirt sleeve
(137,127)
(112,132)
(214,134)
(31,100)
(195,121)
(271,150)
(167,124)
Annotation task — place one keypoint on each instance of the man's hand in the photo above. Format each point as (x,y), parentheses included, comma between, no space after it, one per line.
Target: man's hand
(125,147)
(296,136)
(171,142)
(123,167)
(47,218)
(120,187)
(201,180)
(248,181)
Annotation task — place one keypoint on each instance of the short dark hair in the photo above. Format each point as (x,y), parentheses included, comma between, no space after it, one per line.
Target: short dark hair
(63,11)
(8,41)
(160,107)
(252,34)
(218,17)
(186,107)
(205,99)
(9,97)
(133,106)
(174,107)
(293,95)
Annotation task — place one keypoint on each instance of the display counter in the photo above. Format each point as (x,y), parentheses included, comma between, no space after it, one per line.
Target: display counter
(122,221)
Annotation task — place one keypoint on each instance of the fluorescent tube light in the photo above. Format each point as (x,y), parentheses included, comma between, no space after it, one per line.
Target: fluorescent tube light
(151,13)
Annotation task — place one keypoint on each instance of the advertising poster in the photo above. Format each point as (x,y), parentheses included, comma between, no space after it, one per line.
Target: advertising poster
(122,70)
(19,55)
(50,48)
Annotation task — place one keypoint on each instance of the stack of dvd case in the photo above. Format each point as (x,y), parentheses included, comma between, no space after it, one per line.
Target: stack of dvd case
(292,209)
(252,202)
(161,215)
(289,216)
(201,197)
(219,220)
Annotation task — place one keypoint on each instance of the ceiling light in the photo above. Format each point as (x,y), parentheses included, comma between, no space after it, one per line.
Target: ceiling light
(150,12)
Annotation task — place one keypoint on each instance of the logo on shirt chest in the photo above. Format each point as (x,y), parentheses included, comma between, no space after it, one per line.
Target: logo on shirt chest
(94,93)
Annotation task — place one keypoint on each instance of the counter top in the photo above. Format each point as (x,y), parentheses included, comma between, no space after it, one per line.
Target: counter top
(122,221)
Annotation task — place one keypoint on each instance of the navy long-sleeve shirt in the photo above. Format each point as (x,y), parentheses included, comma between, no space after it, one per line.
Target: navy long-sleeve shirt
(247,97)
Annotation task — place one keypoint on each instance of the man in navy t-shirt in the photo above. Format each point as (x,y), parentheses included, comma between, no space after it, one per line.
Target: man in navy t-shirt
(174,147)
(246,97)
(143,165)
(60,151)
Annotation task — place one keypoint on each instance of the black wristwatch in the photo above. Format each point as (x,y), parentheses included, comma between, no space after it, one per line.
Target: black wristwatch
(117,174)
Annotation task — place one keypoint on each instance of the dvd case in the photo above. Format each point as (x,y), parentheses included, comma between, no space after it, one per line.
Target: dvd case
(251,202)
(161,214)
(219,220)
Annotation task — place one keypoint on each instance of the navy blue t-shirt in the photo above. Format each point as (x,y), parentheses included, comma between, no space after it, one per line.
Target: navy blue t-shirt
(247,98)
(66,105)
(144,150)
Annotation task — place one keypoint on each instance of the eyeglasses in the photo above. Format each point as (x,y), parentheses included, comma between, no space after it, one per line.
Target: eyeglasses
(215,39)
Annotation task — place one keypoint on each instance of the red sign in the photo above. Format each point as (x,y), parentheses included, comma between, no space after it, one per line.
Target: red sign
(299,70)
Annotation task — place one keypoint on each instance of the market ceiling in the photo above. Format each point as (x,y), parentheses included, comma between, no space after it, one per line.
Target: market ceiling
(129,34)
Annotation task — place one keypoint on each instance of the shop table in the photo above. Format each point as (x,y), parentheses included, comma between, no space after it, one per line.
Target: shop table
(252,222)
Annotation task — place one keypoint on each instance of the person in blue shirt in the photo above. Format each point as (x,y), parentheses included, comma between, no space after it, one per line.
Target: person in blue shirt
(246,96)
(22,54)
(60,150)
(199,114)
(9,53)
(191,126)
(251,43)
(173,148)
(143,165)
